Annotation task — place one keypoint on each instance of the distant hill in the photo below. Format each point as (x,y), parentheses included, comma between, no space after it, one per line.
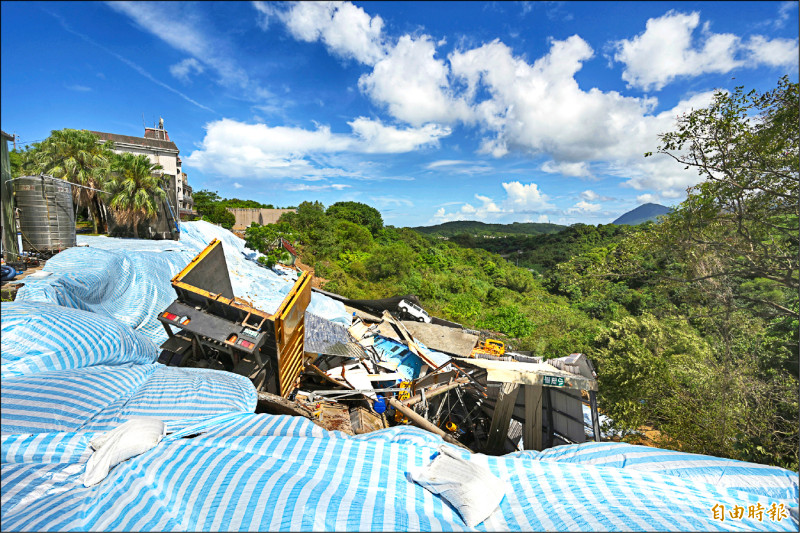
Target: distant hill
(458,227)
(642,214)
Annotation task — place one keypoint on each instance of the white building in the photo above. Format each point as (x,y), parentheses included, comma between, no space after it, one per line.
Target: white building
(157,145)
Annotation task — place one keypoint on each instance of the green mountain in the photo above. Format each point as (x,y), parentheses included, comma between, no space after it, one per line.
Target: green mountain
(642,214)
(458,227)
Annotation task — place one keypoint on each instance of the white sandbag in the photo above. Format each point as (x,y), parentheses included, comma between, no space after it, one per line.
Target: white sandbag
(472,489)
(130,439)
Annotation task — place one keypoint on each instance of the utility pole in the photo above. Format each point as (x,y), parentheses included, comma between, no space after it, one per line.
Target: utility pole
(15,141)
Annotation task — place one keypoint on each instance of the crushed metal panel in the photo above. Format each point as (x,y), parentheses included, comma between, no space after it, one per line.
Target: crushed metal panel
(577,363)
(326,337)
(568,415)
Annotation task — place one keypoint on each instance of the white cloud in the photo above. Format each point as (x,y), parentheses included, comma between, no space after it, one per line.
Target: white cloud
(524,198)
(784,13)
(377,138)
(665,51)
(648,198)
(540,108)
(316,188)
(128,62)
(584,207)
(522,201)
(575,170)
(532,108)
(186,68)
(591,196)
(238,149)
(775,53)
(346,30)
(237,185)
(414,85)
(384,201)
(488,210)
(445,163)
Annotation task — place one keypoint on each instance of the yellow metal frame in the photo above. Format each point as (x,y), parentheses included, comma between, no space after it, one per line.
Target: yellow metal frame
(290,333)
(289,319)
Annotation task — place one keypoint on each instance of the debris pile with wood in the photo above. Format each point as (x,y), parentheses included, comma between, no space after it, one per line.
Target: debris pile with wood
(379,371)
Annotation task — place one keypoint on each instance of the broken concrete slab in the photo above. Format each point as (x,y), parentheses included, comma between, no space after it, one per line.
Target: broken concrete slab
(442,338)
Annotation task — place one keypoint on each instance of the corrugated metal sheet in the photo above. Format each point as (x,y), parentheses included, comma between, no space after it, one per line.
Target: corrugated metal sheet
(326,337)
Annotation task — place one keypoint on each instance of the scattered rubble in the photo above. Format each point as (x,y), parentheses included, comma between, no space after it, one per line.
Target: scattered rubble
(380,371)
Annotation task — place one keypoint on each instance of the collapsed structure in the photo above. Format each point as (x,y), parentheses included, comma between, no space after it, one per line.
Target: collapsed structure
(376,373)
(79,352)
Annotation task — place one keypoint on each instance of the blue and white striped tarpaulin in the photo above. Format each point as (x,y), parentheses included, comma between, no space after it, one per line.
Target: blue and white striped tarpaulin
(278,473)
(129,279)
(739,475)
(71,370)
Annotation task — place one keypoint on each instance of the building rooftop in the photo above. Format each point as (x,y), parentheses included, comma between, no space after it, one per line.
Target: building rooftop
(141,141)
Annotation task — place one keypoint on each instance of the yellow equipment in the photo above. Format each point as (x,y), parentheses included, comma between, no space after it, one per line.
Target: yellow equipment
(489,347)
(402,395)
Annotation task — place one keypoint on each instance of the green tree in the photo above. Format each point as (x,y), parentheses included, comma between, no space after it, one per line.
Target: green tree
(357,213)
(393,260)
(205,201)
(264,238)
(220,215)
(742,220)
(136,188)
(76,156)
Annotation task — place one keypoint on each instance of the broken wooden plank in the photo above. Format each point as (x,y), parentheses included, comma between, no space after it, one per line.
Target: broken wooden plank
(502,418)
(278,405)
(364,420)
(436,391)
(531,374)
(532,429)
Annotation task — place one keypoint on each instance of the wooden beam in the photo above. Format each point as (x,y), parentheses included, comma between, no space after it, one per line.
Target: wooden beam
(501,419)
(436,391)
(418,420)
(532,430)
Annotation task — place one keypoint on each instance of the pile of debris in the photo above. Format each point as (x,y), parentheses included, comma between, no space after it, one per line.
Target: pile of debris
(393,365)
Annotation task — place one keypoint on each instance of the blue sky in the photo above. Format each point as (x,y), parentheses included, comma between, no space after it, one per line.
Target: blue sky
(428,111)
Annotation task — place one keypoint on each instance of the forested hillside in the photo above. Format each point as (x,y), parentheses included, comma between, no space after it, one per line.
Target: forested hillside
(474,228)
(692,323)
(543,252)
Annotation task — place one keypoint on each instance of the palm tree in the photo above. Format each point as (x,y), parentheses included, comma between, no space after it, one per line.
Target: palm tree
(136,188)
(76,156)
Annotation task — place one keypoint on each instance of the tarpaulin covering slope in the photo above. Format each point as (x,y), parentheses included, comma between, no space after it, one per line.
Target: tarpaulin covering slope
(70,370)
(758,479)
(277,473)
(129,279)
